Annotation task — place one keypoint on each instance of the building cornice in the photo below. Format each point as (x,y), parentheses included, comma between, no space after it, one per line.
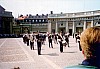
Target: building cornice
(75,15)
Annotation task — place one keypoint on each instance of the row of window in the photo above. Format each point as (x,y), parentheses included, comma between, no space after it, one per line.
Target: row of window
(79,18)
(34,21)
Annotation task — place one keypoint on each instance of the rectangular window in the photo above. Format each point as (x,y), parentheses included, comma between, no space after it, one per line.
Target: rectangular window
(98,22)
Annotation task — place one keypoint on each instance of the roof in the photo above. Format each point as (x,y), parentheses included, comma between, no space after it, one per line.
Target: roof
(22,17)
(2,7)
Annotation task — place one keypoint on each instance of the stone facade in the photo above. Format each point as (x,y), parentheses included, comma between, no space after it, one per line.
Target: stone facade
(73,22)
(6,21)
(31,23)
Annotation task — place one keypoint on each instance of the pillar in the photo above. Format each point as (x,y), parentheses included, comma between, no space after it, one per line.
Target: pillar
(49,27)
(84,27)
(92,23)
(73,27)
(56,27)
(67,30)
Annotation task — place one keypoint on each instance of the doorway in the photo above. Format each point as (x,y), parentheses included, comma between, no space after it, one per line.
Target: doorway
(53,31)
(62,29)
(70,31)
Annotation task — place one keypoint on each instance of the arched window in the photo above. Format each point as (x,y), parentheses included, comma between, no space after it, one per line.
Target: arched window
(32,20)
(36,20)
(43,20)
(39,20)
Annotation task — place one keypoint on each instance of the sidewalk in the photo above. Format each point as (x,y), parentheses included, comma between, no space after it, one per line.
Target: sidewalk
(15,53)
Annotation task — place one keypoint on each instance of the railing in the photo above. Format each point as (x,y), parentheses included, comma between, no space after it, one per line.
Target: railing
(6,14)
(73,15)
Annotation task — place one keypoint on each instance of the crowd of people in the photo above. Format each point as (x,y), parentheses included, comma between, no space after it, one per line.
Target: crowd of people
(60,39)
(88,40)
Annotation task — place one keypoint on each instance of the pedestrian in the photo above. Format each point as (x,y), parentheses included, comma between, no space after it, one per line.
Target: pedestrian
(73,35)
(78,40)
(90,44)
(67,40)
(39,43)
(25,38)
(76,36)
(60,42)
(32,42)
(28,39)
(61,45)
(50,41)
(55,39)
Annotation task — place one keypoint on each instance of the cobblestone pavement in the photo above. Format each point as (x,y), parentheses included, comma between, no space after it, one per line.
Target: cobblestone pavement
(14,53)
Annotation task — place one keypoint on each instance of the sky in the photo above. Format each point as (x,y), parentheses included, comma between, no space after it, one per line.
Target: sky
(24,7)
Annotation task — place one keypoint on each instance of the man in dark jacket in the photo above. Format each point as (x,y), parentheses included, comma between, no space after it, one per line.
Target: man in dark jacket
(50,41)
(67,40)
(39,43)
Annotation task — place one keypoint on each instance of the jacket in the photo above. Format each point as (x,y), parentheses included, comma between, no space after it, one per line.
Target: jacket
(86,64)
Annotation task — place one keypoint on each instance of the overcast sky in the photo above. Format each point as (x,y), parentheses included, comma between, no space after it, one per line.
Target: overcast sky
(34,7)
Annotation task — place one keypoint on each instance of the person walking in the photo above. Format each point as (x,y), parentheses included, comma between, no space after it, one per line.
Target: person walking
(25,38)
(60,42)
(67,39)
(50,41)
(61,45)
(78,40)
(28,39)
(55,39)
(39,43)
(32,42)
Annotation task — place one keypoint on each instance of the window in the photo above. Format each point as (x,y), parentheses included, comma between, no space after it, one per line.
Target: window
(36,20)
(46,20)
(62,24)
(39,20)
(32,20)
(79,23)
(29,20)
(26,21)
(98,22)
(43,20)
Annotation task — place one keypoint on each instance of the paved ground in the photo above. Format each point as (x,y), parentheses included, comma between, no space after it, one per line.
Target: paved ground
(14,53)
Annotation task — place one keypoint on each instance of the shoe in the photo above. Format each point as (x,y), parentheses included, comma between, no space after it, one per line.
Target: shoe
(39,54)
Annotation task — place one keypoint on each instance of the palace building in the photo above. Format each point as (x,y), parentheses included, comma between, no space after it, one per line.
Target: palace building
(55,23)
(30,23)
(6,21)
(73,22)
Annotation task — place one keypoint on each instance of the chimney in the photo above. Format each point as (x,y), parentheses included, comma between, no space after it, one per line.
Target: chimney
(61,12)
(51,12)
(36,14)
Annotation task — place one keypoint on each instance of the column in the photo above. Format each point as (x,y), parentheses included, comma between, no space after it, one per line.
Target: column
(49,27)
(67,30)
(56,27)
(11,27)
(92,23)
(73,27)
(84,27)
